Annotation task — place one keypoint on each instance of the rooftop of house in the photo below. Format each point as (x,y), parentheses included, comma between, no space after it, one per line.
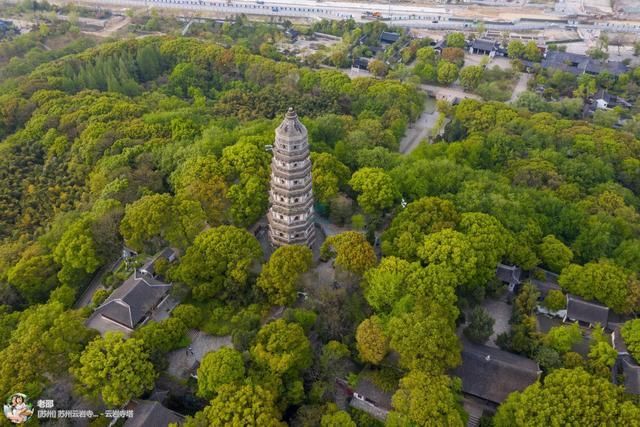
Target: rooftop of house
(361,62)
(131,301)
(617,340)
(482,44)
(587,311)
(151,413)
(508,273)
(148,267)
(492,374)
(631,373)
(373,393)
(389,37)
(602,94)
(577,64)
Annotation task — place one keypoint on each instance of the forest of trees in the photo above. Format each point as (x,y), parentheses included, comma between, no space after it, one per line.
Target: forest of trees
(161,141)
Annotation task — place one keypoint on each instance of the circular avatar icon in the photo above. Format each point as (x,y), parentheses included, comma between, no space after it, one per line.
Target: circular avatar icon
(18,410)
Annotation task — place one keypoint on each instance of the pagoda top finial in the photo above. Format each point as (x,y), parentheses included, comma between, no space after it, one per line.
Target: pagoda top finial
(291,126)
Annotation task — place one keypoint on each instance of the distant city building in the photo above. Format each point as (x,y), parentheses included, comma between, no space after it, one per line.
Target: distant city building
(291,218)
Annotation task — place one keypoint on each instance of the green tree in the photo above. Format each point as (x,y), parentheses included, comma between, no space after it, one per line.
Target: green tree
(603,281)
(555,300)
(480,326)
(489,241)
(282,348)
(555,254)
(115,368)
(218,368)
(568,396)
(371,341)
(42,343)
(532,52)
(337,419)
(548,358)
(248,405)
(148,60)
(427,400)
(280,275)
(451,250)
(351,250)
(385,284)
(447,72)
(515,49)
(470,76)
(157,219)
(563,338)
(218,262)
(631,334)
(329,176)
(377,191)
(377,67)
(202,179)
(161,337)
(34,275)
(424,216)
(456,40)
(77,252)
(425,339)
(602,356)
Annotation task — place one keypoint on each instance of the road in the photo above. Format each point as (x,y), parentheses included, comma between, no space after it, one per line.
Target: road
(420,129)
(448,93)
(520,87)
(96,283)
(439,17)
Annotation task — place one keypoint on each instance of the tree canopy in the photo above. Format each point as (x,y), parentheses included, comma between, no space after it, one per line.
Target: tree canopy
(115,368)
(567,395)
(280,275)
(218,262)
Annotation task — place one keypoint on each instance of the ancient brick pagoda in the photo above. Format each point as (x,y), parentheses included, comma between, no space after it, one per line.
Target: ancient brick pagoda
(291,219)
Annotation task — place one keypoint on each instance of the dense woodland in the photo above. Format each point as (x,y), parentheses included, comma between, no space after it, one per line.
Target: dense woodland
(161,141)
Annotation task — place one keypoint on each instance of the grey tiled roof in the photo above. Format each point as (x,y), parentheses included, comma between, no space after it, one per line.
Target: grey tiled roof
(579,64)
(481,44)
(492,374)
(132,300)
(631,372)
(389,37)
(587,311)
(508,273)
(151,414)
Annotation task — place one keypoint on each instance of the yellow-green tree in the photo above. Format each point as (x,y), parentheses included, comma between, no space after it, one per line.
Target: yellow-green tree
(218,368)
(427,400)
(282,348)
(249,405)
(115,368)
(568,396)
(218,262)
(377,191)
(371,341)
(351,250)
(280,275)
